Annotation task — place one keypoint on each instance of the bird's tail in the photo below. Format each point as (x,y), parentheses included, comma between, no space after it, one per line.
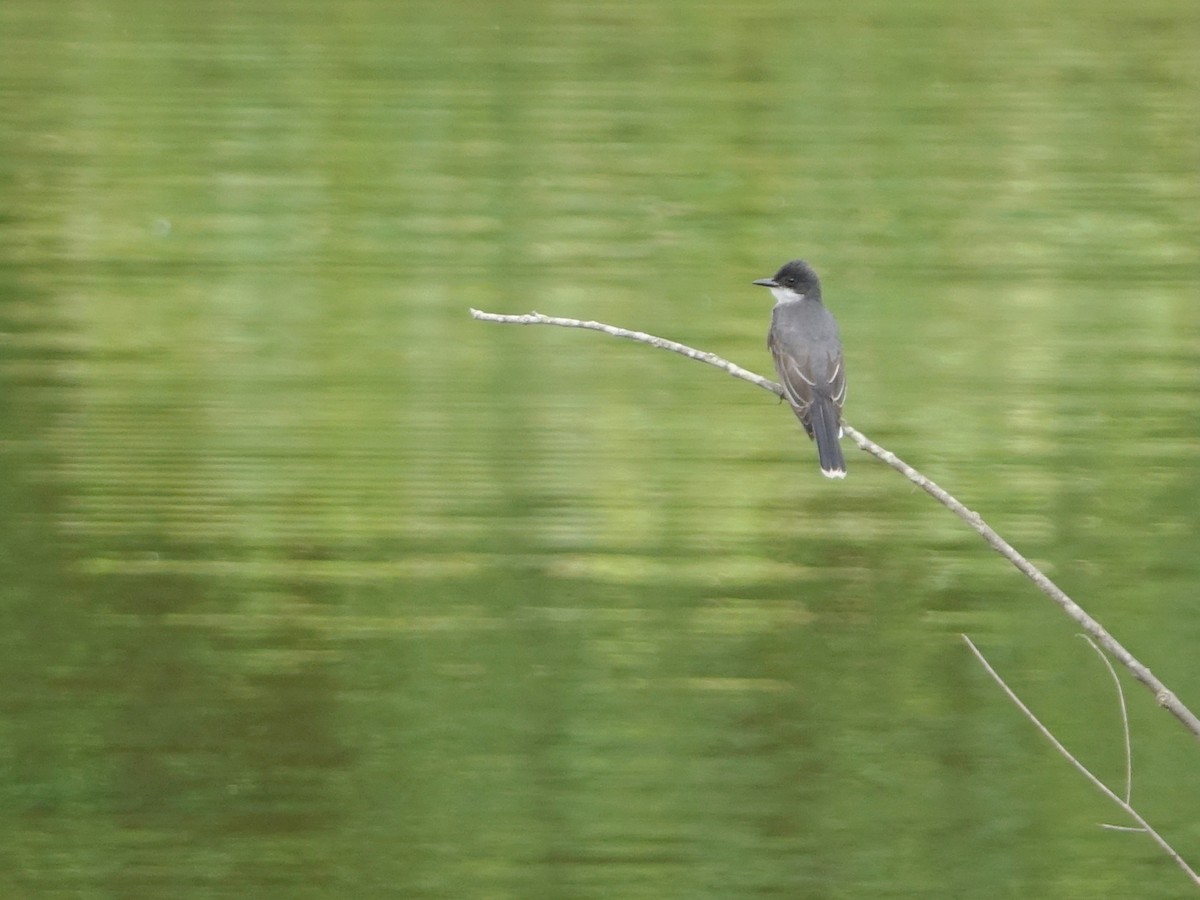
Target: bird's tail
(826,431)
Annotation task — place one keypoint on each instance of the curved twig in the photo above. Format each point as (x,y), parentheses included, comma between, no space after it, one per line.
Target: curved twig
(1162,695)
(1121,705)
(1100,785)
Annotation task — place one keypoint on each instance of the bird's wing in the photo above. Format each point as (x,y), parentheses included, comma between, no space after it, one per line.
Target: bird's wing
(837,379)
(795,375)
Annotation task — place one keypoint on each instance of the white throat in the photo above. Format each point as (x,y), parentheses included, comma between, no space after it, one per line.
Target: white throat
(784,295)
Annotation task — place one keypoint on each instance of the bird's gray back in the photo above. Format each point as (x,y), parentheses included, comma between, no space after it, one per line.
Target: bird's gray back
(808,322)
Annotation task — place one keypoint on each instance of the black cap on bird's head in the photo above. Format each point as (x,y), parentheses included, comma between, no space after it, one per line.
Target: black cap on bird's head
(795,277)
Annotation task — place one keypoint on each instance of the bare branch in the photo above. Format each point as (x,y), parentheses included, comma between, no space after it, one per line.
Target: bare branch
(536,318)
(1094,629)
(1080,767)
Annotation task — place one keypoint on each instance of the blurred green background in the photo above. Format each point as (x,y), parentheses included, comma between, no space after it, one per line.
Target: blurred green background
(314,587)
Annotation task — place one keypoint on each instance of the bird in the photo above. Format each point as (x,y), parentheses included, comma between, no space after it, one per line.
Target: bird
(807,349)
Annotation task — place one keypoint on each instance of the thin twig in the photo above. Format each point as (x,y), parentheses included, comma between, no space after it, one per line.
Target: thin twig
(1124,719)
(1100,785)
(1162,695)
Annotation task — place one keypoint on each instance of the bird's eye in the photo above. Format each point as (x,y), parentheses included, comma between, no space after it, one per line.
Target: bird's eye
(789,281)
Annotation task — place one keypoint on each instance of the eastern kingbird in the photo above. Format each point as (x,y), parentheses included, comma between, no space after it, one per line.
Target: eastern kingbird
(804,343)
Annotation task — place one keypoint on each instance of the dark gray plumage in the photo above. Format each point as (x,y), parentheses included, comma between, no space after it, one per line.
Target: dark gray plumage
(807,350)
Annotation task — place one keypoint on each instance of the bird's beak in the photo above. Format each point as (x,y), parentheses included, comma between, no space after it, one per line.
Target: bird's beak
(767,282)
